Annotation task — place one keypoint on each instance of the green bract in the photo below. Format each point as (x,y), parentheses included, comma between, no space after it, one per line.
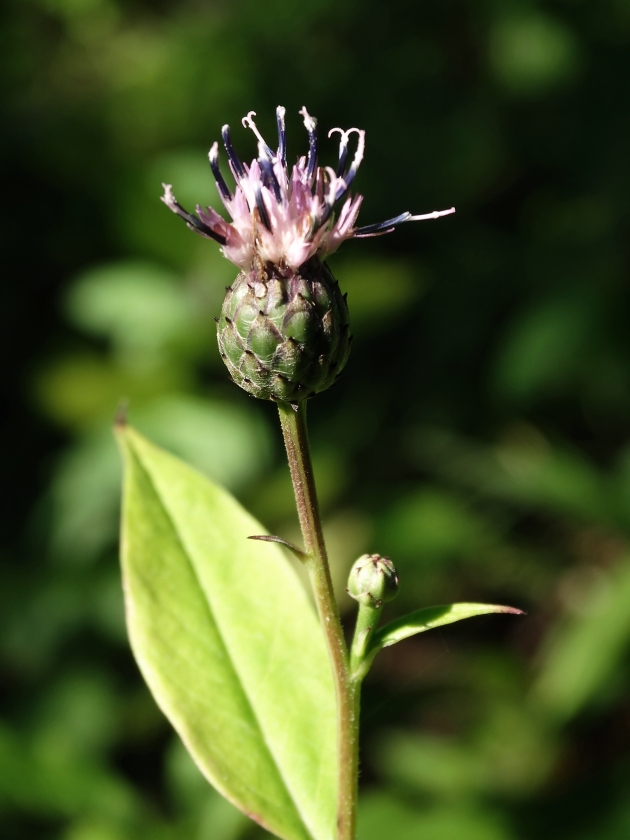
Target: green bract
(373,580)
(283,333)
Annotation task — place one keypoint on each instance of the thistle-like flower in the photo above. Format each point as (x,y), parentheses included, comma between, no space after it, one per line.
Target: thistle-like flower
(284,327)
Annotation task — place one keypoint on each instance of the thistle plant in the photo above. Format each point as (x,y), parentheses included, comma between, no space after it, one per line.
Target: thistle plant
(265,695)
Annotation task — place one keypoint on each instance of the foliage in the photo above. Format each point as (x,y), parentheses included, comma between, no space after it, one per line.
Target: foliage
(478,435)
(228,644)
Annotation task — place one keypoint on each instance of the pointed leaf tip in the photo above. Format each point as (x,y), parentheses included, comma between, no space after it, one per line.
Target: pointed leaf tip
(120,418)
(430,617)
(301,555)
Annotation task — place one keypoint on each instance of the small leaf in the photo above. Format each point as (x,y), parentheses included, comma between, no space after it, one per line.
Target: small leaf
(430,617)
(229,645)
(301,555)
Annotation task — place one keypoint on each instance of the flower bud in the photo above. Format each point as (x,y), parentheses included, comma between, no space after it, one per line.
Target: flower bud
(373,580)
(283,333)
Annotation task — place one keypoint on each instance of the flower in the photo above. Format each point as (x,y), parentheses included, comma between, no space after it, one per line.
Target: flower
(283,217)
(283,331)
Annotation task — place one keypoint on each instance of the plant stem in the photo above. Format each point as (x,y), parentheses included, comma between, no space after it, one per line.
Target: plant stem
(367,621)
(293,422)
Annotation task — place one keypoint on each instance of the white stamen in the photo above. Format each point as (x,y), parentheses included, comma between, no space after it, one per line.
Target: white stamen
(345,135)
(282,134)
(358,155)
(435,215)
(248,122)
(213,154)
(309,122)
(168,198)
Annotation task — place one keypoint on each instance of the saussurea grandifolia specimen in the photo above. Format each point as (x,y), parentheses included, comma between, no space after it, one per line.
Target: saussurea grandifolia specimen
(265,696)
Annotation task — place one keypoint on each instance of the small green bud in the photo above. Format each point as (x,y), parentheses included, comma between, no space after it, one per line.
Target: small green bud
(373,580)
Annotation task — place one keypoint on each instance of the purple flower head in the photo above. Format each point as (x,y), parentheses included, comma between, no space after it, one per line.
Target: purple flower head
(286,217)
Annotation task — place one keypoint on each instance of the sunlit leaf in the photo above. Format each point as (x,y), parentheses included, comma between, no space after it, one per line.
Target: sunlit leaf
(223,440)
(376,303)
(530,53)
(384,815)
(545,348)
(430,617)
(138,305)
(229,645)
(580,657)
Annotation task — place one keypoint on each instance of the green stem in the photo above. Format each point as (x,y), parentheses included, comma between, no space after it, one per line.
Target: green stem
(293,422)
(367,622)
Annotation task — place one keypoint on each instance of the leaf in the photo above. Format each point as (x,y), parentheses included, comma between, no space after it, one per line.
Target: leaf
(584,651)
(430,617)
(390,815)
(301,555)
(229,645)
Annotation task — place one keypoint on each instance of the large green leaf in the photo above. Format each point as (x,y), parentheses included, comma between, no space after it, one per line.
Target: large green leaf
(430,617)
(228,644)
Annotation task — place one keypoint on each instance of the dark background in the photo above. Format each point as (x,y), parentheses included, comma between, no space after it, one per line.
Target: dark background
(479,435)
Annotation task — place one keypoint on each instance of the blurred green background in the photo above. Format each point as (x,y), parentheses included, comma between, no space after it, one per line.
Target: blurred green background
(480,435)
